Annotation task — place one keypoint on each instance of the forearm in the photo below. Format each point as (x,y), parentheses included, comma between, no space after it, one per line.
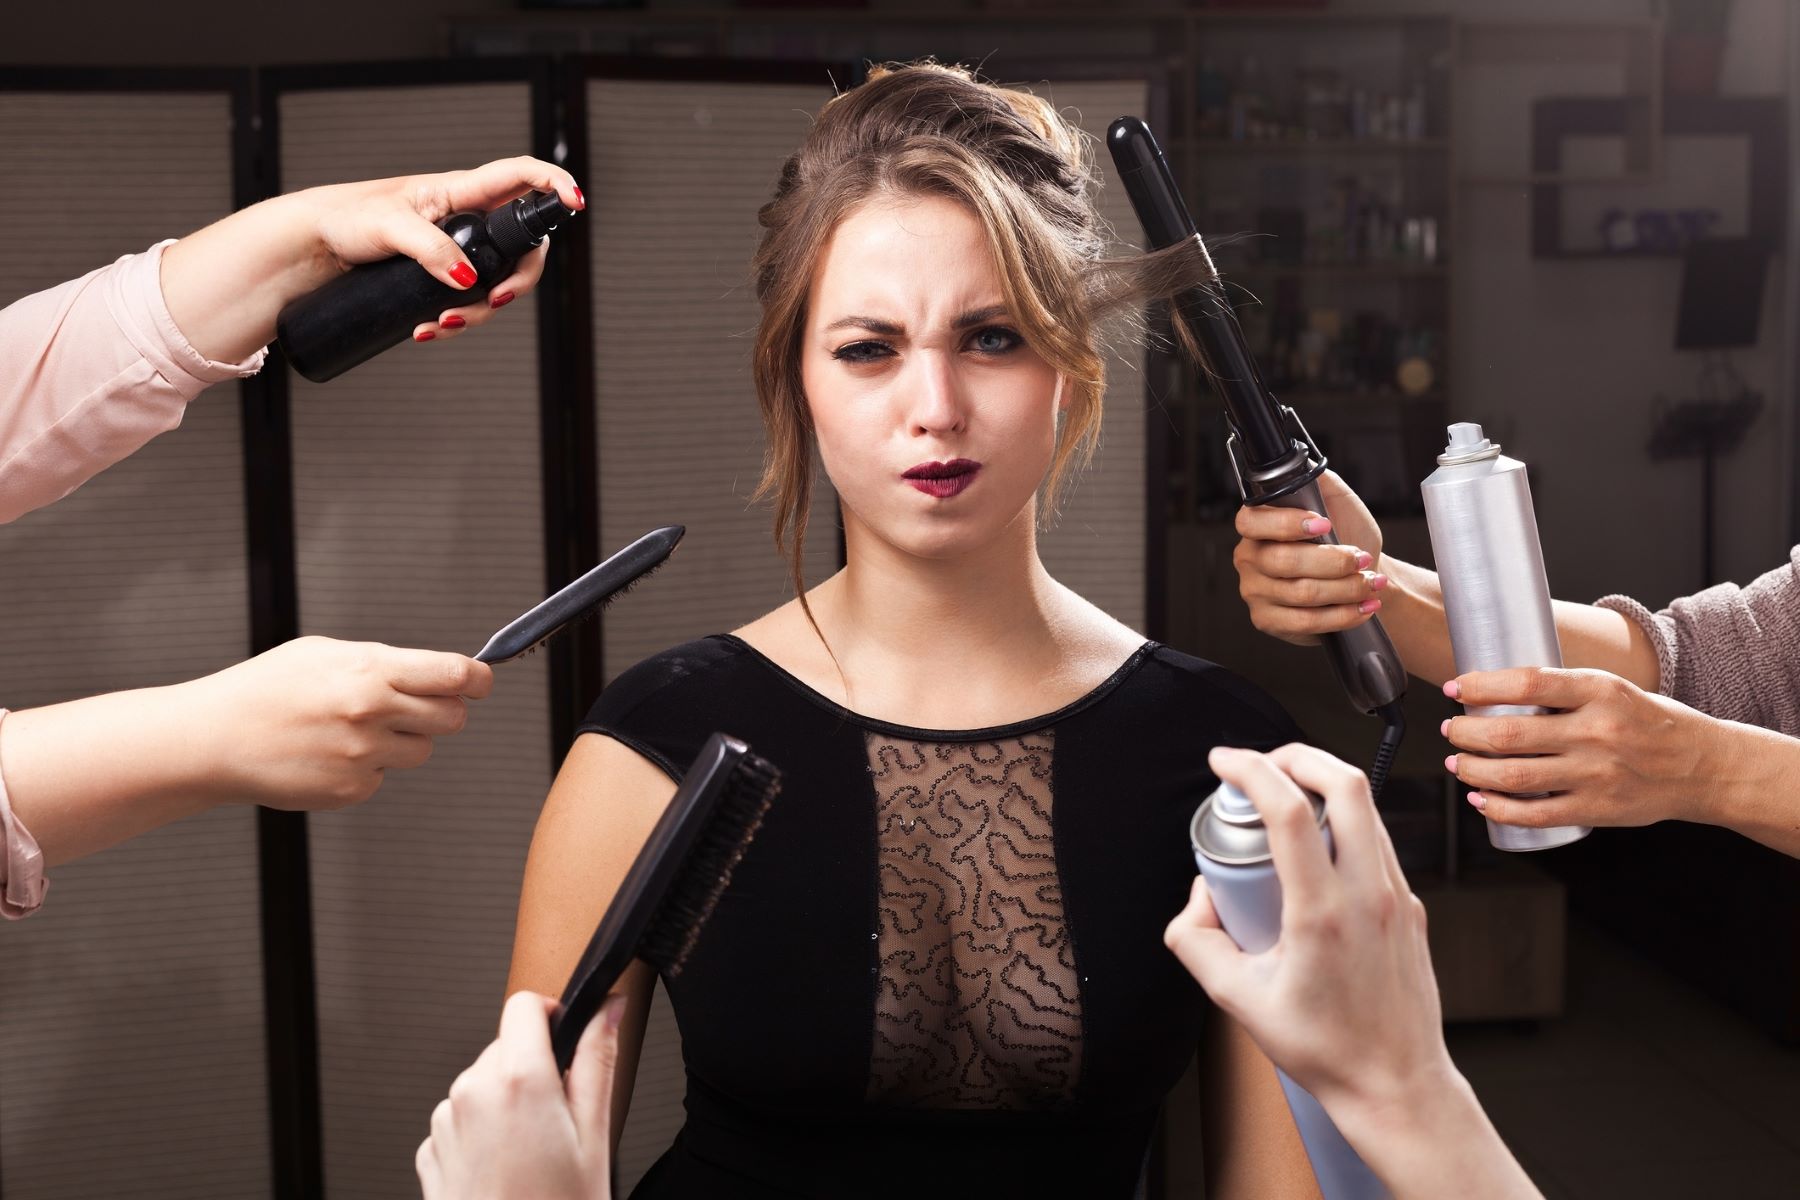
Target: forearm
(225,284)
(1434,1141)
(91,773)
(1755,786)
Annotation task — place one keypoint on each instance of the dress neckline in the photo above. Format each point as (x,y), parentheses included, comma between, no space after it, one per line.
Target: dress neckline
(990,733)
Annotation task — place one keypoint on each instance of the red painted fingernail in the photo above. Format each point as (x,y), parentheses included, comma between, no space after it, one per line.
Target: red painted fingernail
(1364,560)
(1368,606)
(1477,799)
(452,322)
(580,200)
(500,301)
(1444,729)
(1450,764)
(464,274)
(1453,689)
(424,335)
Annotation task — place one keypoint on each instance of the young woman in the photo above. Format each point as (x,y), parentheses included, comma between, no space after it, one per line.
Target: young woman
(939,969)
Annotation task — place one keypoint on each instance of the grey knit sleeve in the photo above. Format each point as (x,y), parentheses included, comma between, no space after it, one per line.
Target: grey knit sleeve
(1729,651)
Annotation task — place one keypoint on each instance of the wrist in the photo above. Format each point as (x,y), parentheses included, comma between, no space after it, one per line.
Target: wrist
(1428,1136)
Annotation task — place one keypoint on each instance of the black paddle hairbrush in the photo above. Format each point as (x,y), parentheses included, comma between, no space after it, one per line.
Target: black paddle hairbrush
(674,882)
(592,591)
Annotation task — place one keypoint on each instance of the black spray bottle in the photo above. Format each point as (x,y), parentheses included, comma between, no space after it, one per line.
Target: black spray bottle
(376,306)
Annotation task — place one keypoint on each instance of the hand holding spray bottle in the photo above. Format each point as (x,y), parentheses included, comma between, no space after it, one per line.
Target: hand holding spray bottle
(1231,848)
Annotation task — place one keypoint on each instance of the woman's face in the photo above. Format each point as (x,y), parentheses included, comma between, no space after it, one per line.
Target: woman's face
(935,421)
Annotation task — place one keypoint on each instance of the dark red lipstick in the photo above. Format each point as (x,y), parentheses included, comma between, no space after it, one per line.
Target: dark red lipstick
(943,479)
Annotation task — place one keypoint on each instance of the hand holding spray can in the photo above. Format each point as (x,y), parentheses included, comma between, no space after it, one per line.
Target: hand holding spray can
(1484,536)
(1231,848)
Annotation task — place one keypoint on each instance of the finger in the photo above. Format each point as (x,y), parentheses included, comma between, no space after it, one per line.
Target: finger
(436,673)
(524,278)
(1201,943)
(591,1073)
(1513,776)
(1348,806)
(1306,560)
(493,184)
(403,751)
(1295,844)
(431,1173)
(443,1123)
(1535,813)
(1510,735)
(1314,593)
(1267,523)
(434,716)
(1286,621)
(406,232)
(525,1030)
(1545,687)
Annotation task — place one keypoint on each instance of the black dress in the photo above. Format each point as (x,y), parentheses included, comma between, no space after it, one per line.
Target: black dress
(938,970)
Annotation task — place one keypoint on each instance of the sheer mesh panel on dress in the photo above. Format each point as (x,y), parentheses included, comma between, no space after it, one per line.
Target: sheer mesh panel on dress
(977,1003)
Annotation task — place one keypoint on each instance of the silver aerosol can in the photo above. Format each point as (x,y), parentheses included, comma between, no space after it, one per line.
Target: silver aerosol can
(1484,536)
(1231,848)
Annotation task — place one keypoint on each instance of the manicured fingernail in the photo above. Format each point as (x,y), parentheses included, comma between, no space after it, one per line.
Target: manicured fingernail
(580,200)
(1377,582)
(1444,728)
(1453,689)
(1450,763)
(1368,606)
(452,322)
(1364,560)
(1314,526)
(500,301)
(464,274)
(614,1014)
(424,335)
(1477,799)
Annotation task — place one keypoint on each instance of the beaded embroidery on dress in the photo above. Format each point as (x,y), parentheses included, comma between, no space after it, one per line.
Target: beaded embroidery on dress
(978,1003)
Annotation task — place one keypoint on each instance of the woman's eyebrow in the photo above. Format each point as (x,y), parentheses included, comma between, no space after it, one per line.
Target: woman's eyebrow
(975,316)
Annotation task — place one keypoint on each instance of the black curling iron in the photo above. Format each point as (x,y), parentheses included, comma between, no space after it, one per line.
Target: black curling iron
(1275,459)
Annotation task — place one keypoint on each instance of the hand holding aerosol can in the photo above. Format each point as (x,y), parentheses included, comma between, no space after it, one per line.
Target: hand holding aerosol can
(1232,848)
(1484,536)
(1333,979)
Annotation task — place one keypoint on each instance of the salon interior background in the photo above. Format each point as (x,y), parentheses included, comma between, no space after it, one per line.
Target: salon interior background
(307,1080)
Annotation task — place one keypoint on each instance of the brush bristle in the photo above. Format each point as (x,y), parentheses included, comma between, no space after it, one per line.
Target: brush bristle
(592,612)
(675,927)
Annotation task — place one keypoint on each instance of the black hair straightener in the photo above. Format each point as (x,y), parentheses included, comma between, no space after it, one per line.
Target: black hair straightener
(586,595)
(673,883)
(1273,456)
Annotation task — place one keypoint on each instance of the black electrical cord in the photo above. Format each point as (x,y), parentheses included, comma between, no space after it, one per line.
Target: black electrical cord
(1395,716)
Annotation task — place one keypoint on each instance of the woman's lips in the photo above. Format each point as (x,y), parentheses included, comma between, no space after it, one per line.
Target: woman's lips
(943,479)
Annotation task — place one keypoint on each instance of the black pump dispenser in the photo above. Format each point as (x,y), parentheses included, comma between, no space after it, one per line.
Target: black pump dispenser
(375,306)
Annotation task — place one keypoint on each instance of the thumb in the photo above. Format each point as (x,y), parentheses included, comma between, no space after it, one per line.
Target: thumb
(1202,944)
(591,1074)
(408,233)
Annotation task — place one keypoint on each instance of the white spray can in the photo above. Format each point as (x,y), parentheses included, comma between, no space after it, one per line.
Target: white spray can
(1484,536)
(1231,847)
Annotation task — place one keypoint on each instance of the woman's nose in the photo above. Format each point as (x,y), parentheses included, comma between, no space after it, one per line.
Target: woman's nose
(935,396)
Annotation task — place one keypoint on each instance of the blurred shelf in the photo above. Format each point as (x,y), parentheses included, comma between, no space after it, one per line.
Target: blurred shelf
(1319,146)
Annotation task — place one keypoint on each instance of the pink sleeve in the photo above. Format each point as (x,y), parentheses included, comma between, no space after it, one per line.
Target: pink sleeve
(22,882)
(90,370)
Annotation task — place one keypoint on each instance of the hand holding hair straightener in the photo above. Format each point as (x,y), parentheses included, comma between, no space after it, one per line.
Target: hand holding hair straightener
(1274,457)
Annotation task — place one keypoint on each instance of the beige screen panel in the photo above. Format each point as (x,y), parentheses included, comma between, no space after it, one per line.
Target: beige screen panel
(419,523)
(131,1013)
(1097,546)
(680,170)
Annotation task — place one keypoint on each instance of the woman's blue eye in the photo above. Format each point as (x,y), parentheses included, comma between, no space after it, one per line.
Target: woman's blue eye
(861,352)
(996,339)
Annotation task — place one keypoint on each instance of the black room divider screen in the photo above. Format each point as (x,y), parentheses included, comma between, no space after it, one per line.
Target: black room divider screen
(250,1004)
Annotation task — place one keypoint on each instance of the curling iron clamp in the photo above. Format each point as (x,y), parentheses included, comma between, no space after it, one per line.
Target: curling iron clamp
(1274,458)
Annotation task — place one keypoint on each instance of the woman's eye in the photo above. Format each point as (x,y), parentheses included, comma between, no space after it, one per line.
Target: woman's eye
(995,339)
(862,352)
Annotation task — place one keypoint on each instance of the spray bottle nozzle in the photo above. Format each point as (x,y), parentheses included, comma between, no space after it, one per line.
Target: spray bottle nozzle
(521,225)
